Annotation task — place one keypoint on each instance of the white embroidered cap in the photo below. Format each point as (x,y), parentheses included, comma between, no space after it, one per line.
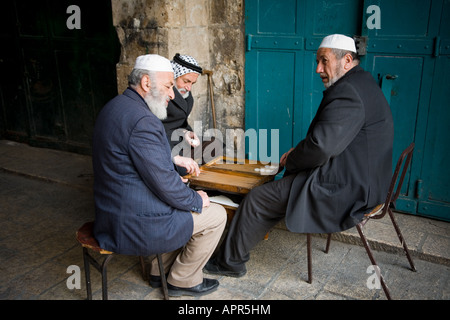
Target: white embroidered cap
(338,41)
(153,62)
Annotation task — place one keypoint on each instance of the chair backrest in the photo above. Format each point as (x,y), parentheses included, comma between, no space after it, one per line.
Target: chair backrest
(404,159)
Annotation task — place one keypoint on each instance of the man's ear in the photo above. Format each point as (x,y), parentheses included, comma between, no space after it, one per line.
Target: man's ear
(145,83)
(348,61)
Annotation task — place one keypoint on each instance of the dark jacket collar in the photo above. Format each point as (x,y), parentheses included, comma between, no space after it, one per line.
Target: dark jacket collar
(353,70)
(182,103)
(133,94)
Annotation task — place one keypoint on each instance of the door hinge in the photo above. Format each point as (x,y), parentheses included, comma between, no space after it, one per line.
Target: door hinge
(249,42)
(437,47)
(419,189)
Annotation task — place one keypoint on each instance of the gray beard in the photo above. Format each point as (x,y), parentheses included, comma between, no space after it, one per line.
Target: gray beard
(332,81)
(157,105)
(339,74)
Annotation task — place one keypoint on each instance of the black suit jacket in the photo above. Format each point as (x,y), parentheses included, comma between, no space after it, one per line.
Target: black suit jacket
(178,111)
(343,167)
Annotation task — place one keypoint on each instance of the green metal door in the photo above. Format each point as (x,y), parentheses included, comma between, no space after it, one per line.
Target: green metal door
(282,90)
(408,56)
(434,191)
(274,62)
(407,53)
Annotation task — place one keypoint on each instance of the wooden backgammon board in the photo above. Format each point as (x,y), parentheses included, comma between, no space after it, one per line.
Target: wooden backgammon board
(236,176)
(232,176)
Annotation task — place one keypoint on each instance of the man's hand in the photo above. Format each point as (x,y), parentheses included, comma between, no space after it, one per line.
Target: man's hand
(205,198)
(191,138)
(284,158)
(188,163)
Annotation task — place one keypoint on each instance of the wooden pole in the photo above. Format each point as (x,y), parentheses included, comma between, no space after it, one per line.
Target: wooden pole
(211,95)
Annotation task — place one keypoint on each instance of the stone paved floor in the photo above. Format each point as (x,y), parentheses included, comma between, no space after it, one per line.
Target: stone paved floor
(41,209)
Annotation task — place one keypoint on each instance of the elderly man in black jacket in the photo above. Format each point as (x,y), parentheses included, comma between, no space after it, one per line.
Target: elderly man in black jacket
(336,174)
(178,130)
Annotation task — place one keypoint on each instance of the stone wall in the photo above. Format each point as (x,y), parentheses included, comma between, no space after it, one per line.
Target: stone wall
(212,31)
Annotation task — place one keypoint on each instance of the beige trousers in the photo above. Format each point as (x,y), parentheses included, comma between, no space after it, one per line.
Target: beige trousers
(185,265)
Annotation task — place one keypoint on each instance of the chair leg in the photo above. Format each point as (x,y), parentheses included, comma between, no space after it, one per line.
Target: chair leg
(308,250)
(143,268)
(104,277)
(402,241)
(163,277)
(372,259)
(87,273)
(88,260)
(328,243)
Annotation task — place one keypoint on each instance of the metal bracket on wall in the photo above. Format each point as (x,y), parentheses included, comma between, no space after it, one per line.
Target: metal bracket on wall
(361,44)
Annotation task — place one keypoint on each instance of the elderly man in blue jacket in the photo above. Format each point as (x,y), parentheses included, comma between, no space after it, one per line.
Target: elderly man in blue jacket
(142,206)
(336,174)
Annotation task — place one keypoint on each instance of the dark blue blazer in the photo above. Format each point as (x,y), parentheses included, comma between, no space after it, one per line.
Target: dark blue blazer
(141,205)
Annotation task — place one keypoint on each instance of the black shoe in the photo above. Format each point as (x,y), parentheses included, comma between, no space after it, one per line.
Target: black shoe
(155,281)
(212,267)
(207,286)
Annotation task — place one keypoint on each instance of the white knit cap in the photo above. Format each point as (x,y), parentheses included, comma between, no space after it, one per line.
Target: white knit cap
(338,41)
(153,62)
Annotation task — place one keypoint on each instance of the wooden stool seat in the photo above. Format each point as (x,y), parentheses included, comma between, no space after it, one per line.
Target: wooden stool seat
(375,211)
(85,236)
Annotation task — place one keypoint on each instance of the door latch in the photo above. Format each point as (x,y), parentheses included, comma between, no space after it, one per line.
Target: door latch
(391,77)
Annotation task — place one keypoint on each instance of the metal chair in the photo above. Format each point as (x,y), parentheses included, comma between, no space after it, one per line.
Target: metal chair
(87,240)
(377,213)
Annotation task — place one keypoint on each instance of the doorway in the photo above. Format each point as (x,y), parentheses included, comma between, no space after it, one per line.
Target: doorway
(58,69)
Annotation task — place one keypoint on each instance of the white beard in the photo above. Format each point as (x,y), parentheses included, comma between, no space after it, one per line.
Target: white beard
(156,104)
(185,94)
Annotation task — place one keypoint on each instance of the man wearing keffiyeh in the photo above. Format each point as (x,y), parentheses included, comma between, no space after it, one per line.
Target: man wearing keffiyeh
(186,71)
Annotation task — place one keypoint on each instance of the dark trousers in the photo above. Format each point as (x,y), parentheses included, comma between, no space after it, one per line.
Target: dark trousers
(260,211)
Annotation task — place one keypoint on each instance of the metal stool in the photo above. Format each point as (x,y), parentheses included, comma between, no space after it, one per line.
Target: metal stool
(87,240)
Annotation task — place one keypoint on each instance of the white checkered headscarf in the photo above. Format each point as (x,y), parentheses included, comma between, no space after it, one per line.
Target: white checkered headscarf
(184,64)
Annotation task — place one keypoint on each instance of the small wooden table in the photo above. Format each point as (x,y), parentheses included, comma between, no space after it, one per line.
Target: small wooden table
(236,176)
(232,176)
